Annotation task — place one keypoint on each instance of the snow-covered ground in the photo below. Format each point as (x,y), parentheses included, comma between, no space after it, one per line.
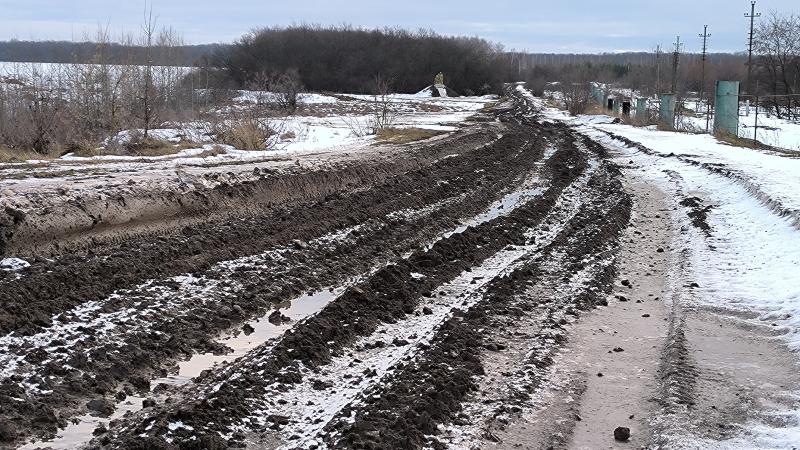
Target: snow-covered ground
(781,133)
(322,134)
(300,133)
(748,261)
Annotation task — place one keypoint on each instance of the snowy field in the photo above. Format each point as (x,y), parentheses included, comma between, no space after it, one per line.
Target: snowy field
(334,128)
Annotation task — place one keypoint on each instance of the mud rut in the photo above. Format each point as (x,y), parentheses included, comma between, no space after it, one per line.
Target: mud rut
(456,280)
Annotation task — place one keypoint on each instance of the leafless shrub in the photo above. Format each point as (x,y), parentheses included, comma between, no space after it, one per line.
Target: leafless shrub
(384,113)
(358,128)
(287,88)
(575,90)
(247,131)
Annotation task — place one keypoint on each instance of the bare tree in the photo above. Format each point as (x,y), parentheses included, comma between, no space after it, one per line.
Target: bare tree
(31,111)
(147,111)
(575,89)
(777,44)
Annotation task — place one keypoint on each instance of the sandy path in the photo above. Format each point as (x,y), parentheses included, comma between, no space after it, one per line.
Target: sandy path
(689,376)
(638,325)
(580,408)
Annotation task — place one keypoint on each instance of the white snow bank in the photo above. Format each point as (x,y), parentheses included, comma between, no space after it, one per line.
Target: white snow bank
(775,175)
(264,96)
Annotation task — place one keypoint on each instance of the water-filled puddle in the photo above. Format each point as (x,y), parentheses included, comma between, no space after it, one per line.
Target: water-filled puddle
(80,432)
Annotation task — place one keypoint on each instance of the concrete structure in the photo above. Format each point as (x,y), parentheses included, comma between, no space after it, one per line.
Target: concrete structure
(641,108)
(666,115)
(726,109)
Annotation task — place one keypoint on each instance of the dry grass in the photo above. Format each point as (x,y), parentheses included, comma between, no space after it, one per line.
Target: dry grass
(405,135)
(738,142)
(429,107)
(595,109)
(246,133)
(88,152)
(8,155)
(138,147)
(489,106)
(157,147)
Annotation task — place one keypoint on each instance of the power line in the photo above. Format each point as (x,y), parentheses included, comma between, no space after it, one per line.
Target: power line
(752,16)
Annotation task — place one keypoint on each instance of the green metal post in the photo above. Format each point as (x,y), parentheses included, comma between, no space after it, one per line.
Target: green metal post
(666,114)
(641,108)
(726,105)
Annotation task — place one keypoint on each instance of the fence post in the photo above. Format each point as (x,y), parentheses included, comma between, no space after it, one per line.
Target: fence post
(726,106)
(755,127)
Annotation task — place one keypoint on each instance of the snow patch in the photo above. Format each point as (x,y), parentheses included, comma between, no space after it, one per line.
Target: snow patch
(13,264)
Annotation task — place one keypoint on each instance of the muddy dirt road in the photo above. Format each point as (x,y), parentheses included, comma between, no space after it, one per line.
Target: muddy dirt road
(440,295)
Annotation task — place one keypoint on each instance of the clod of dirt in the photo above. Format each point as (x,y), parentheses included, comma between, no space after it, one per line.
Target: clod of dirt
(660,250)
(247,329)
(427,311)
(645,315)
(697,213)
(618,350)
(101,406)
(277,318)
(278,420)
(600,374)
(148,402)
(320,385)
(101,429)
(622,434)
(625,283)
(8,432)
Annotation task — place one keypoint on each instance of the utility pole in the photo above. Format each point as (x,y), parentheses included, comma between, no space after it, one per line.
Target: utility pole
(705,37)
(676,57)
(658,70)
(752,16)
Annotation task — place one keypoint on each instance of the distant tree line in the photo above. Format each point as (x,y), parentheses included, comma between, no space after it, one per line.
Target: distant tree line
(347,59)
(644,72)
(114,53)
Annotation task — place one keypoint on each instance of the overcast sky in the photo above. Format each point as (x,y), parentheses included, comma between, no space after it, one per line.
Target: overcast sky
(580,26)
